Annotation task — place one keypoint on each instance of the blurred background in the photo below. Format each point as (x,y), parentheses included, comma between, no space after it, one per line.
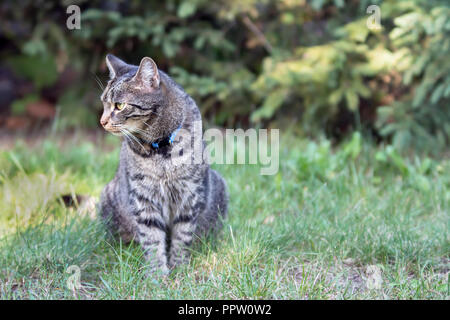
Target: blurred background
(312,66)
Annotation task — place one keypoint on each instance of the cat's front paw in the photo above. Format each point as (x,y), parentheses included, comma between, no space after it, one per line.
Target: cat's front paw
(164,272)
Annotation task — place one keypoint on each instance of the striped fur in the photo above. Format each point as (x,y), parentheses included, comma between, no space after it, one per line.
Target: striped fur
(161,205)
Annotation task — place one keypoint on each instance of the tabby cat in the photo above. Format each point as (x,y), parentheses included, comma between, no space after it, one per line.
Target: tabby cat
(161,205)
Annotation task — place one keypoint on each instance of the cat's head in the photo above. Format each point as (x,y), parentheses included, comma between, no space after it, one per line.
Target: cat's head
(135,101)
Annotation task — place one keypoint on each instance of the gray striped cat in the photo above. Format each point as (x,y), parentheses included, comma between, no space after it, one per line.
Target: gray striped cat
(160,205)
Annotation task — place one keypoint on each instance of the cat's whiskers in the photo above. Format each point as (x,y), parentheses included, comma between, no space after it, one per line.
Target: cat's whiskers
(99,82)
(126,135)
(142,132)
(134,138)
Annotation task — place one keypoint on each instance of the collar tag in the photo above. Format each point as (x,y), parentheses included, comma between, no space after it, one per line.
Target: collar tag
(173,135)
(168,140)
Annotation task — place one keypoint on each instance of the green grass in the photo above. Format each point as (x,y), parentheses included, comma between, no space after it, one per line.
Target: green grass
(309,232)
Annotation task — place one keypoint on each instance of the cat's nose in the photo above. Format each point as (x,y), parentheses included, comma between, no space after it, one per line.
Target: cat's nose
(103,121)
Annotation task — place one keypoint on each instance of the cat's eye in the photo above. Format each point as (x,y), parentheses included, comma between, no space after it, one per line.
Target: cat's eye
(119,106)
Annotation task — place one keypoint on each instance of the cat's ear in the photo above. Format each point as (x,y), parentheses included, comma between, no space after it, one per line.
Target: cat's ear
(147,74)
(116,66)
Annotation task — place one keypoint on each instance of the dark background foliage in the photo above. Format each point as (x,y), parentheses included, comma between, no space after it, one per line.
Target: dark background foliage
(312,65)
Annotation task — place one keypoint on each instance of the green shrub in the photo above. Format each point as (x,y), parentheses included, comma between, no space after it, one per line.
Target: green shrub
(251,62)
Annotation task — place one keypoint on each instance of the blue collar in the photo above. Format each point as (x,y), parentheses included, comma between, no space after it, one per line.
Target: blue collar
(165,141)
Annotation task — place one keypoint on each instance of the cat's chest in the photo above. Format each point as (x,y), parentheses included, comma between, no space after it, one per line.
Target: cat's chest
(166,194)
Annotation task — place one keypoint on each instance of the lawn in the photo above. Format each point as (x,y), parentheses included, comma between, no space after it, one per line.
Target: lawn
(353,222)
